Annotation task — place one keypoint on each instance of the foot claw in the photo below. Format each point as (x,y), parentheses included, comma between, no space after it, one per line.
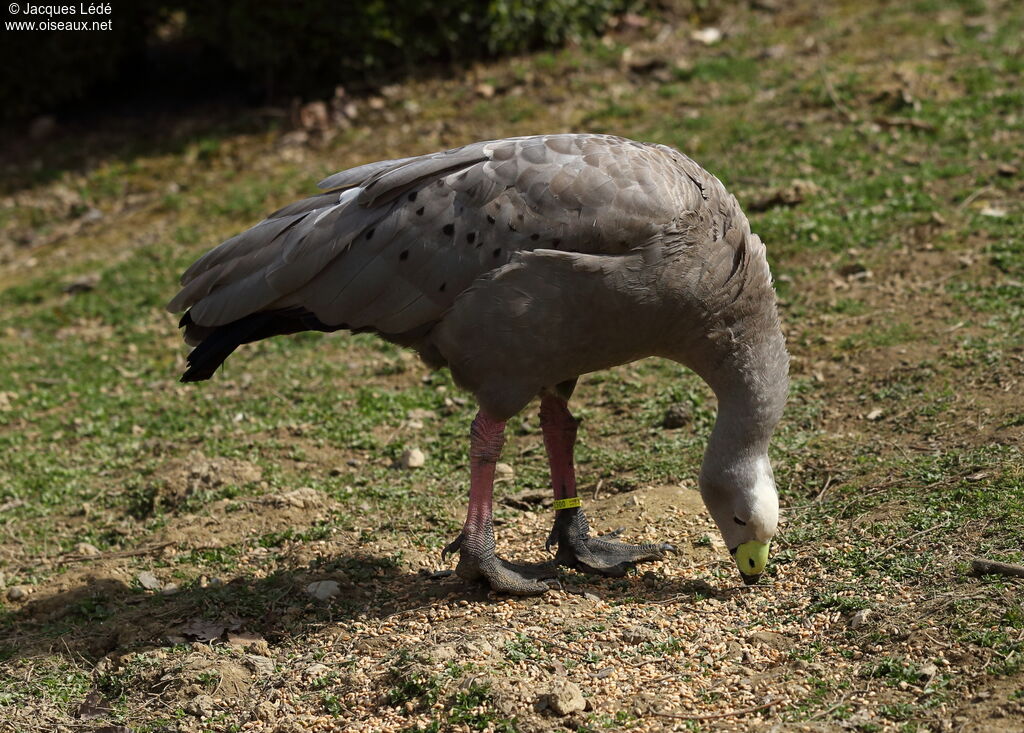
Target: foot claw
(451,548)
(501,575)
(601,555)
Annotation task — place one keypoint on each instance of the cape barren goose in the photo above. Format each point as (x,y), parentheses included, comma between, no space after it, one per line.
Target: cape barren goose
(521,264)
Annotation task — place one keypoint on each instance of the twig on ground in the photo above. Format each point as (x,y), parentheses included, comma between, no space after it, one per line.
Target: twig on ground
(975,196)
(831,91)
(905,540)
(597,489)
(124,553)
(828,483)
(715,716)
(983,566)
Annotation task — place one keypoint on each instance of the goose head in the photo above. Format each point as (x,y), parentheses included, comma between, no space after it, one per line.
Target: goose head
(740,494)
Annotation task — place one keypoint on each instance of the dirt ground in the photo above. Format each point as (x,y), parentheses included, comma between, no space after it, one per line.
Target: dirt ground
(259,561)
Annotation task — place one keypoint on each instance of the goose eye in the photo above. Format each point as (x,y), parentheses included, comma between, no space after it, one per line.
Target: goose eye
(739,521)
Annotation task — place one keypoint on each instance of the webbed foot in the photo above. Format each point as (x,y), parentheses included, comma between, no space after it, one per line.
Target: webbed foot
(603,555)
(478,562)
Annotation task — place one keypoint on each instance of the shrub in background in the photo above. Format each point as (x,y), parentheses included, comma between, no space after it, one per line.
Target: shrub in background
(288,47)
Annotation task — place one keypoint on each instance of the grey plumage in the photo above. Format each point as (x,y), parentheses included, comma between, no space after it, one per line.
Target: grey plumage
(522,264)
(519,263)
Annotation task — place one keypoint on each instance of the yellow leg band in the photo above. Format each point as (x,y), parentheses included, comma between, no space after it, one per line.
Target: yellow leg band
(570,503)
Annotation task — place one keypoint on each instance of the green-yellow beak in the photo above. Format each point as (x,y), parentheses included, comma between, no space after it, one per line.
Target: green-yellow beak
(751,558)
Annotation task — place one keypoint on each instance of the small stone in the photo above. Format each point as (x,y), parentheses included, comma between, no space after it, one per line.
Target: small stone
(413,458)
(708,36)
(676,416)
(17,593)
(86,550)
(170,589)
(260,664)
(201,706)
(316,670)
(875,415)
(566,698)
(503,472)
(148,581)
(638,635)
(323,589)
(734,652)
(927,671)
(771,639)
(858,619)
(591,597)
(266,711)
(1007,170)
(478,648)
(443,653)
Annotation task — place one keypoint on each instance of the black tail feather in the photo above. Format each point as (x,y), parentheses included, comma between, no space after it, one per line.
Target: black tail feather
(218,343)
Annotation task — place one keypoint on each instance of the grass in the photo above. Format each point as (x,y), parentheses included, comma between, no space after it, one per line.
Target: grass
(904,150)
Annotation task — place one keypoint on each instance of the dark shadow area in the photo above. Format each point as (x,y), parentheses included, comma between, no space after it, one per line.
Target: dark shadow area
(108,616)
(167,73)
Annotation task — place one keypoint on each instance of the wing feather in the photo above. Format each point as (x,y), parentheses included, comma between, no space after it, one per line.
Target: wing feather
(393,244)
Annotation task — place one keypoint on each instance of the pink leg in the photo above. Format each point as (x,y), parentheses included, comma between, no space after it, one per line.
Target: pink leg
(477,559)
(576,548)
(487,436)
(559,428)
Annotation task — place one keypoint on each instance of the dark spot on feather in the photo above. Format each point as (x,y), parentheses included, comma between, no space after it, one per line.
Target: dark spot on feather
(419,211)
(490,219)
(737,261)
(440,183)
(470,237)
(535,236)
(511,228)
(448,229)
(412,196)
(369,233)
(443,286)
(404,255)
(497,252)
(521,217)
